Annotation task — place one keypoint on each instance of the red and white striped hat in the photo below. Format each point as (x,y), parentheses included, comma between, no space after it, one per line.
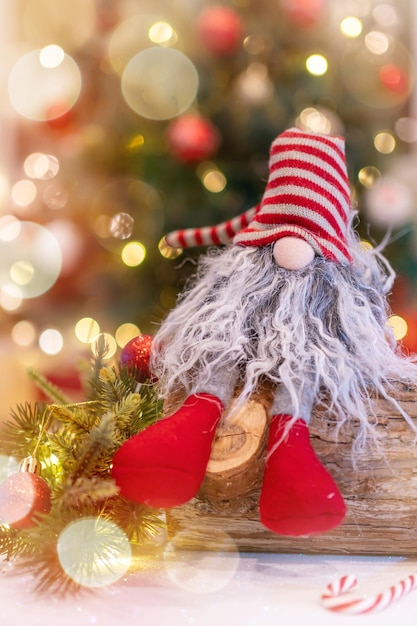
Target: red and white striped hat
(307,196)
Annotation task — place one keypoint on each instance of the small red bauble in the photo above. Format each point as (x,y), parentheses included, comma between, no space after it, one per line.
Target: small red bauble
(220,29)
(136,354)
(303,13)
(393,78)
(192,138)
(21,496)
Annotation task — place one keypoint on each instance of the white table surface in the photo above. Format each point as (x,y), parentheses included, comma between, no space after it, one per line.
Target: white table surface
(210,589)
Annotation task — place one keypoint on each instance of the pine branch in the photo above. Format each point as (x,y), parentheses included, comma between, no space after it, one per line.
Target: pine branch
(86,491)
(50,390)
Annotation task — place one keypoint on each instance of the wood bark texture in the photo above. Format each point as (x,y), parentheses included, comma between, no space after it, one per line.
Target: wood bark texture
(380,488)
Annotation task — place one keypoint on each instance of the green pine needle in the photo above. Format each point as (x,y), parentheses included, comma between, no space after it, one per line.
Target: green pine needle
(75,443)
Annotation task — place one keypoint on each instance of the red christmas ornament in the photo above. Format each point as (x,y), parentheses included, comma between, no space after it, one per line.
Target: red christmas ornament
(220,30)
(303,13)
(22,495)
(192,138)
(393,78)
(136,354)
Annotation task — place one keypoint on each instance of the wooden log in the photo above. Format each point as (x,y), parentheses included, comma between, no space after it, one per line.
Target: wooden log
(380,488)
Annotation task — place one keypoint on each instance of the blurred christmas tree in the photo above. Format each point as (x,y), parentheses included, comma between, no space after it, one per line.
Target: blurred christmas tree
(127,118)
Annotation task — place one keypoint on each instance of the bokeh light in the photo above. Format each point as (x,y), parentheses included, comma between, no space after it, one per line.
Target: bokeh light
(55,196)
(10,297)
(406,129)
(133,253)
(205,571)
(317,64)
(125,332)
(35,248)
(23,192)
(51,56)
(110,343)
(398,326)
(94,552)
(369,175)
(167,251)
(129,207)
(384,142)
(121,225)
(159,83)
(87,329)
(351,26)
(51,341)
(253,85)
(377,42)
(23,333)
(41,166)
(212,178)
(42,93)
(389,202)
(162,34)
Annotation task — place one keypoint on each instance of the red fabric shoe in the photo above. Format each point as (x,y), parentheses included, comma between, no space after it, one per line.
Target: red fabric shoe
(164,465)
(298,497)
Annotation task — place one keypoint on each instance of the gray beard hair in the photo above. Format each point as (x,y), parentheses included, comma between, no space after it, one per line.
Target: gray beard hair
(319,332)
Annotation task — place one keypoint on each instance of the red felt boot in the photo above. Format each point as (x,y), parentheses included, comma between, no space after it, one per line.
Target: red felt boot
(164,465)
(299,497)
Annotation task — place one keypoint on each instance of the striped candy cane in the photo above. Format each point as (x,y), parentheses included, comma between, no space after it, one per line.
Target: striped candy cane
(358,606)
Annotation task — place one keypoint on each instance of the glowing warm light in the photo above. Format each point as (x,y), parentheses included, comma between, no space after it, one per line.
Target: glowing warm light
(385,14)
(377,42)
(162,33)
(94,552)
(254,84)
(204,571)
(10,297)
(42,93)
(133,253)
(351,27)
(254,44)
(23,333)
(51,56)
(136,142)
(212,178)
(406,129)
(317,64)
(55,196)
(384,142)
(167,251)
(34,246)
(87,330)
(110,343)
(23,192)
(51,341)
(121,225)
(125,333)
(9,228)
(22,273)
(159,83)
(369,175)
(316,121)
(398,326)
(41,166)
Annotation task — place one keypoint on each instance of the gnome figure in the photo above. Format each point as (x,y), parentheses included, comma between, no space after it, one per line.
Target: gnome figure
(292,299)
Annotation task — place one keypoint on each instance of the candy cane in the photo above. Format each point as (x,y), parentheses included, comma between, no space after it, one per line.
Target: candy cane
(358,606)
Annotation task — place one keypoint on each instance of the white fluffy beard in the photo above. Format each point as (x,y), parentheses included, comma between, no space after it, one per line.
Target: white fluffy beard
(320,332)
